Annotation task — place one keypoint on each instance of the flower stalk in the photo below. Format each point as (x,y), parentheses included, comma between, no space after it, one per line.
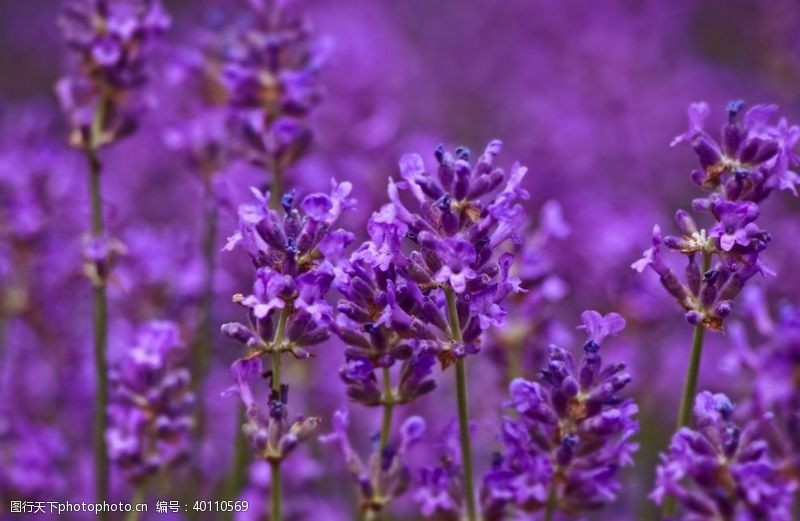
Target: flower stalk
(463,408)
(99,306)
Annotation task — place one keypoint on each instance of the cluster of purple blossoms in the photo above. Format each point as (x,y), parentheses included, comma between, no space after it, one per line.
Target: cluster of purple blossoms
(30,457)
(111,39)
(296,256)
(753,158)
(572,435)
(460,226)
(270,433)
(150,407)
(439,491)
(386,475)
(720,471)
(774,366)
(270,72)
(383,320)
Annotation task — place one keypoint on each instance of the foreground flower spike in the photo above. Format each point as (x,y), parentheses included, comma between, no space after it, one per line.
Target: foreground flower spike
(270,72)
(572,436)
(718,471)
(386,476)
(753,158)
(101,101)
(150,409)
(376,320)
(296,254)
(454,274)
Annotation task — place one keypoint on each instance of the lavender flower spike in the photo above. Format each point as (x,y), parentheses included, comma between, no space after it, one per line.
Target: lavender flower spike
(717,470)
(272,436)
(573,434)
(112,40)
(151,403)
(386,476)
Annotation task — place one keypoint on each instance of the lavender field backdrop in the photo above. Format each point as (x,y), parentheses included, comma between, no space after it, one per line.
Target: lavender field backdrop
(400,260)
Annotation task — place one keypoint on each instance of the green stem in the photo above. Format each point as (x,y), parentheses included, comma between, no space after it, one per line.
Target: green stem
(388,407)
(692,373)
(551,502)
(276,187)
(277,345)
(275,490)
(138,497)
(275,465)
(463,408)
(689,385)
(205,326)
(100,309)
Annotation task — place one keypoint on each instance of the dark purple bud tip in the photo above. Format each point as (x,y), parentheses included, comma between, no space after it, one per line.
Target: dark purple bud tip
(462,153)
(369,327)
(694,317)
(277,409)
(734,108)
(287,201)
(724,407)
(723,308)
(710,277)
(591,347)
(497,459)
(443,203)
(740,173)
(439,153)
(237,331)
(387,457)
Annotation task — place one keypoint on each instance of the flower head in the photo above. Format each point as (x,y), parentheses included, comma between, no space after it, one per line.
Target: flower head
(386,476)
(270,433)
(720,471)
(270,71)
(573,431)
(112,40)
(150,403)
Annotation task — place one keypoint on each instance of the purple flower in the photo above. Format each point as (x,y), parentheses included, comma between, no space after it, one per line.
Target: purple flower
(150,403)
(270,71)
(297,257)
(752,157)
(31,459)
(739,173)
(719,471)
(466,212)
(112,40)
(270,433)
(572,434)
(386,475)
(735,226)
(438,491)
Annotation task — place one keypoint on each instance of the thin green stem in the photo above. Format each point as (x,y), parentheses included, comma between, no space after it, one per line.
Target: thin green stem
(388,408)
(276,187)
(277,346)
(275,490)
(463,408)
(275,465)
(689,385)
(100,308)
(138,497)
(552,502)
(206,323)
